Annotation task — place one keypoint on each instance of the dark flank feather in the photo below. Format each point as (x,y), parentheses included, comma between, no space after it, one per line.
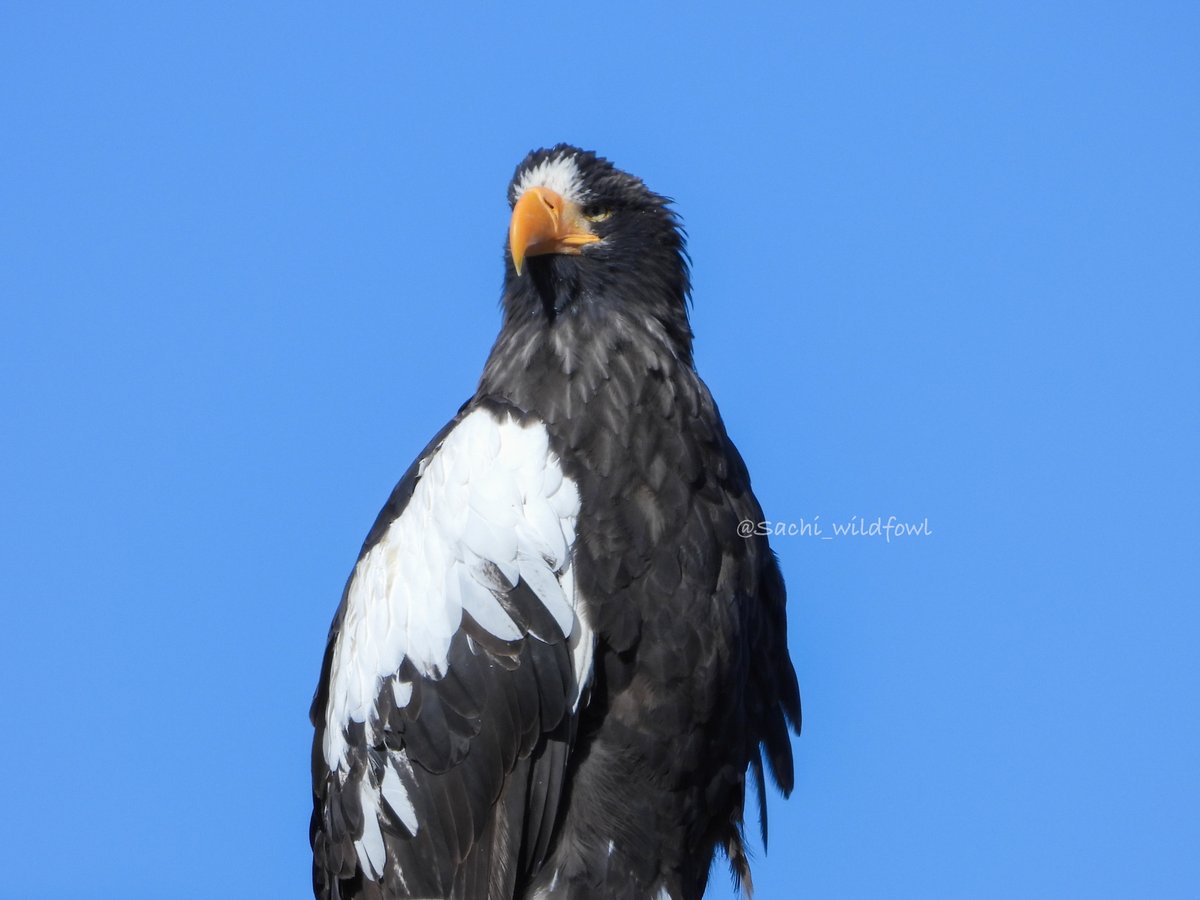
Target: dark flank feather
(528,767)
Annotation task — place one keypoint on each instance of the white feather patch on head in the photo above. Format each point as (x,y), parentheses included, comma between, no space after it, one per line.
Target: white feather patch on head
(558,173)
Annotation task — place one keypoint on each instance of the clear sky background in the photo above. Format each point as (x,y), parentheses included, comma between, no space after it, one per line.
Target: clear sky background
(945,270)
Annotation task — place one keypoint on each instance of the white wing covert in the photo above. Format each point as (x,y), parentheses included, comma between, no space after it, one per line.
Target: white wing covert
(456,665)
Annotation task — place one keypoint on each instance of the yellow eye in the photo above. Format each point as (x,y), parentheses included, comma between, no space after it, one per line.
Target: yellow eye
(599,215)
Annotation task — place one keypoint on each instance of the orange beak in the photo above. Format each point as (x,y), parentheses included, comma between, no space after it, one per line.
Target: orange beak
(543,222)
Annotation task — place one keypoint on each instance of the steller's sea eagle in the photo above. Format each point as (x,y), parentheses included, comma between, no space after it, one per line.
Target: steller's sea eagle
(556,659)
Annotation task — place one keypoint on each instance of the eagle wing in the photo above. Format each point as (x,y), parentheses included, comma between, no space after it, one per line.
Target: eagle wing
(456,667)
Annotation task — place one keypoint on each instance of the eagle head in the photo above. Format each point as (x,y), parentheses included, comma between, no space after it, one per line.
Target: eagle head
(584,235)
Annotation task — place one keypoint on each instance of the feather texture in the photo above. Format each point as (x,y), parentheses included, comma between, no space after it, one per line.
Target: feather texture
(556,659)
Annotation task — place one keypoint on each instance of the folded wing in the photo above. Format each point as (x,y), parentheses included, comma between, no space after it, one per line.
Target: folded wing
(455,669)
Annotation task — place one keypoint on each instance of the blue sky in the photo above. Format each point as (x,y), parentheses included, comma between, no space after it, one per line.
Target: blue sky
(945,270)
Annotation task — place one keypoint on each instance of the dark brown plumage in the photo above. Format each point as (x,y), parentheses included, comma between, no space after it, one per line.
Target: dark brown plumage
(533,772)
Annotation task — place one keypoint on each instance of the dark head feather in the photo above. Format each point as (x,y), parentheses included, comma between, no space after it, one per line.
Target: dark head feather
(639,268)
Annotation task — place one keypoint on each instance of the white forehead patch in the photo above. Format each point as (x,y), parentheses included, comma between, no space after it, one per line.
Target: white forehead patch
(559,174)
